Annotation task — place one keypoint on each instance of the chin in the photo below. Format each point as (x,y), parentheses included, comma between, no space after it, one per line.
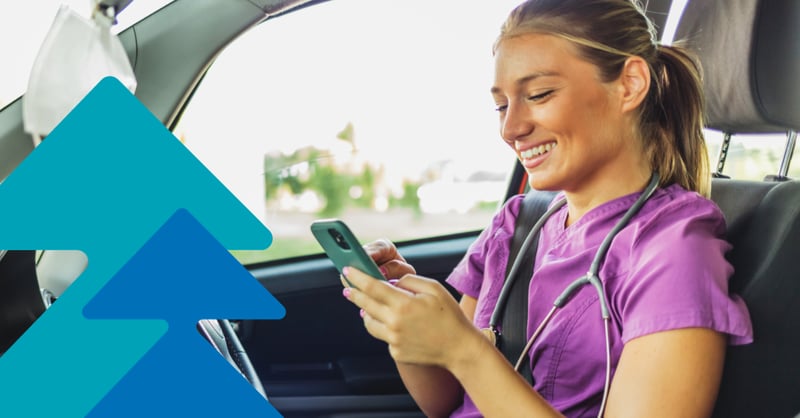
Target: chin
(539,183)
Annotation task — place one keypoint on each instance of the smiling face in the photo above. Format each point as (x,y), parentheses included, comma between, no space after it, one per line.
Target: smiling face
(570,130)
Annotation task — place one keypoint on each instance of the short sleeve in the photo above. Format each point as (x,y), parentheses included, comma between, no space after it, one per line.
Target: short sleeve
(488,251)
(678,276)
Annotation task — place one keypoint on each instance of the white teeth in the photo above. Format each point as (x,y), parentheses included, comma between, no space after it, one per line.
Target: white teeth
(536,151)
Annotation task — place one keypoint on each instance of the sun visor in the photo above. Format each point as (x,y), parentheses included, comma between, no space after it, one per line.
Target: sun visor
(750,53)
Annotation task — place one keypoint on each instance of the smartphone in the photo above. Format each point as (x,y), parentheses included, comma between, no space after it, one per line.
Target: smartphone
(342,247)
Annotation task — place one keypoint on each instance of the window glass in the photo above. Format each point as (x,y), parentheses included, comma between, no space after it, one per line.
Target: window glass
(24,25)
(377,112)
(750,157)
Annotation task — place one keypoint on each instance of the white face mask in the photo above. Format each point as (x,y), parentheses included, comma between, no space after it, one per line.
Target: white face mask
(75,55)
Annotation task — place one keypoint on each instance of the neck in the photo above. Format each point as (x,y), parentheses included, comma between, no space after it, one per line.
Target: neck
(582,201)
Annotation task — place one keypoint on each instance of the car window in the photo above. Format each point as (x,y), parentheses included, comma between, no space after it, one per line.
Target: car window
(24,24)
(375,112)
(750,157)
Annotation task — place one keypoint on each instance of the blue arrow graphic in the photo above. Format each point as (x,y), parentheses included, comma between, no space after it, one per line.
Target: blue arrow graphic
(183,275)
(103,182)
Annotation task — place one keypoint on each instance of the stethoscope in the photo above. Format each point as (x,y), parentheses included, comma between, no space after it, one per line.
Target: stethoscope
(590,278)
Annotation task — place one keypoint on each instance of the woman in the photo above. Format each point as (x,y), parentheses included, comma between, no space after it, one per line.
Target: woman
(595,108)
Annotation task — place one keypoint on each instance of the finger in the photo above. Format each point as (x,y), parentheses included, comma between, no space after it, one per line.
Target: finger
(376,328)
(420,285)
(382,251)
(378,290)
(395,269)
(344,281)
(371,307)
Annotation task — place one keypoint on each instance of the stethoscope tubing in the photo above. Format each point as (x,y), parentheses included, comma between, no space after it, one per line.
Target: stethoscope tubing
(591,277)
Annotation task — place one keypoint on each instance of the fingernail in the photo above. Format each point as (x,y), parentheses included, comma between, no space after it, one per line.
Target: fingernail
(362,313)
(393,281)
(346,292)
(384,271)
(345,270)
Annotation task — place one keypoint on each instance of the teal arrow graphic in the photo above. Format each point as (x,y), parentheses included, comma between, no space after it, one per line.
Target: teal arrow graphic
(103,182)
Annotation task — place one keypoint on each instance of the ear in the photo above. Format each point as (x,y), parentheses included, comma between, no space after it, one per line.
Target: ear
(635,82)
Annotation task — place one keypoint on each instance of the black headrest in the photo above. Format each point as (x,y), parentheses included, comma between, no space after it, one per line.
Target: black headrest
(750,52)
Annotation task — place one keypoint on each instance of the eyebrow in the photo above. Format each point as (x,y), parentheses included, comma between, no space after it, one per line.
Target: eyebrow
(527,79)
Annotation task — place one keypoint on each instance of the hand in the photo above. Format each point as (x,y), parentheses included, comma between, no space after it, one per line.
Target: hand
(416,316)
(388,259)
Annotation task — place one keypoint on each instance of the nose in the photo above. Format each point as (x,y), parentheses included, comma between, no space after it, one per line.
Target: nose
(515,123)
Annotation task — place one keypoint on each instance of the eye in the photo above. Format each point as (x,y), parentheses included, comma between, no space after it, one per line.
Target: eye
(541,96)
(501,108)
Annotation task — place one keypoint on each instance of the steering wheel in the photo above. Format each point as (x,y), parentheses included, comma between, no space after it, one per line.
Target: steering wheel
(222,335)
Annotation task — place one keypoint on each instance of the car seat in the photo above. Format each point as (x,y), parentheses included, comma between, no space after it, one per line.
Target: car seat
(750,54)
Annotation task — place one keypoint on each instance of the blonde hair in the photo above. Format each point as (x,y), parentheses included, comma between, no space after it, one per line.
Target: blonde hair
(607,33)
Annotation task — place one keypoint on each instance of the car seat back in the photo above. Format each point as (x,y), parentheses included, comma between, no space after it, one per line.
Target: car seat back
(751,57)
(762,378)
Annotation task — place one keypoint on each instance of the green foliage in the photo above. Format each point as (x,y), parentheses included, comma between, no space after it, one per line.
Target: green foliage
(409,198)
(332,185)
(332,180)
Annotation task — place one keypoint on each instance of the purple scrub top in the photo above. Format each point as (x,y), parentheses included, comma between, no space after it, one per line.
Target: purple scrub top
(665,270)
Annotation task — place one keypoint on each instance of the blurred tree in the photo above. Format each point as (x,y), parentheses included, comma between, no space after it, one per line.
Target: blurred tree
(409,198)
(337,183)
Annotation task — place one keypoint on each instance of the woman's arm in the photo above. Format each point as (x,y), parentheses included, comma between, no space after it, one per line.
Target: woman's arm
(424,325)
(435,389)
(666,374)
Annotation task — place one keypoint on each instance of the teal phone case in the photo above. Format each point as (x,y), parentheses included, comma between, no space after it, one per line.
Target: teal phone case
(342,246)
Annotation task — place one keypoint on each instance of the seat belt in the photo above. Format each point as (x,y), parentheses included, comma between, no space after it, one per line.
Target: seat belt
(514,320)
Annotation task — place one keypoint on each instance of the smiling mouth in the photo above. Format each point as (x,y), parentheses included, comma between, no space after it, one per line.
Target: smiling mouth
(537,151)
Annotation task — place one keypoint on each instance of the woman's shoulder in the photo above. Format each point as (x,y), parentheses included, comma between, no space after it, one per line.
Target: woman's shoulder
(673,207)
(506,216)
(677,196)
(502,224)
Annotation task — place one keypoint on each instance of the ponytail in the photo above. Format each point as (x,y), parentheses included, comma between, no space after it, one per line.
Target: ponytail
(672,121)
